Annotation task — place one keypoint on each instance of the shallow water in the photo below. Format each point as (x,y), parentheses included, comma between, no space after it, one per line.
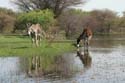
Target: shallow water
(107,65)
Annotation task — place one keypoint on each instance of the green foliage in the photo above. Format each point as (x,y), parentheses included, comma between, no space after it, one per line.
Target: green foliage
(44,17)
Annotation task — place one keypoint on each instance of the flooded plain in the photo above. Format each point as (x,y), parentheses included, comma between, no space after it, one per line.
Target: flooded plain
(104,63)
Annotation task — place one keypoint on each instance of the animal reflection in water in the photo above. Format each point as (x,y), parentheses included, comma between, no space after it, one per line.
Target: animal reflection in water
(85,36)
(39,67)
(35,32)
(35,68)
(84,57)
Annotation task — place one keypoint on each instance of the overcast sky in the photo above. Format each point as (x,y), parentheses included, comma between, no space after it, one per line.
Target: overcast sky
(115,5)
(7,4)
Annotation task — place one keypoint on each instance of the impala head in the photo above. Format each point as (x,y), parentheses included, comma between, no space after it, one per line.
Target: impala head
(29,31)
(28,25)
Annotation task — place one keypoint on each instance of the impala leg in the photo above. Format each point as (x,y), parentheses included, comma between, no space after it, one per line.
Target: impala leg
(88,40)
(33,41)
(39,39)
(87,44)
(36,38)
(78,40)
(84,45)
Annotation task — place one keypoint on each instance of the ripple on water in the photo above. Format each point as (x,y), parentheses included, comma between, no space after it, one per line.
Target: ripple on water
(108,66)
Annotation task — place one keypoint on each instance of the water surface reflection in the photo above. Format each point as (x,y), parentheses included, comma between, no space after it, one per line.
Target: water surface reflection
(103,63)
(84,57)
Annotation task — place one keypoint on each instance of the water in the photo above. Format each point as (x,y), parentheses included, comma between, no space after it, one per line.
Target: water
(105,64)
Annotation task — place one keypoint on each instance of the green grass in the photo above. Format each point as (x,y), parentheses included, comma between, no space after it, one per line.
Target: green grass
(21,46)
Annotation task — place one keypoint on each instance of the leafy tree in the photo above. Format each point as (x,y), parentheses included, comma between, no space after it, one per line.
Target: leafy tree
(44,17)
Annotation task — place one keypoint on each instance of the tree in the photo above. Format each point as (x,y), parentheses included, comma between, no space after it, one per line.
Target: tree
(44,17)
(121,23)
(71,21)
(105,19)
(7,20)
(57,6)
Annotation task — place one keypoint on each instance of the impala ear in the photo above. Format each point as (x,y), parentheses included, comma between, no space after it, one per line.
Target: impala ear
(28,25)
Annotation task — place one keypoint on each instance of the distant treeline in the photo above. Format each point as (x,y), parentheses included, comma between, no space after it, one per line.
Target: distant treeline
(69,21)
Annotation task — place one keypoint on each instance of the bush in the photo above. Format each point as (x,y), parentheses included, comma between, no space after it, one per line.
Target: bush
(43,17)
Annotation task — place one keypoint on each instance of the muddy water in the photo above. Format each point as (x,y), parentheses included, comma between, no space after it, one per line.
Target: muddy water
(105,63)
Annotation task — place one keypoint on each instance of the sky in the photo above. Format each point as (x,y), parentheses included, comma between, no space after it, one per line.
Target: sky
(6,3)
(115,5)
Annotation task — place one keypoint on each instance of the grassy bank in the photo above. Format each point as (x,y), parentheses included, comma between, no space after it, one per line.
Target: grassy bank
(21,46)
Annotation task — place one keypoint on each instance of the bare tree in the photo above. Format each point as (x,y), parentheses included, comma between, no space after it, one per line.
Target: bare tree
(7,20)
(71,22)
(105,19)
(57,6)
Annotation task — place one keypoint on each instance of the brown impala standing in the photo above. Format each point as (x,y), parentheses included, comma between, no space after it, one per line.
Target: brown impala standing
(35,31)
